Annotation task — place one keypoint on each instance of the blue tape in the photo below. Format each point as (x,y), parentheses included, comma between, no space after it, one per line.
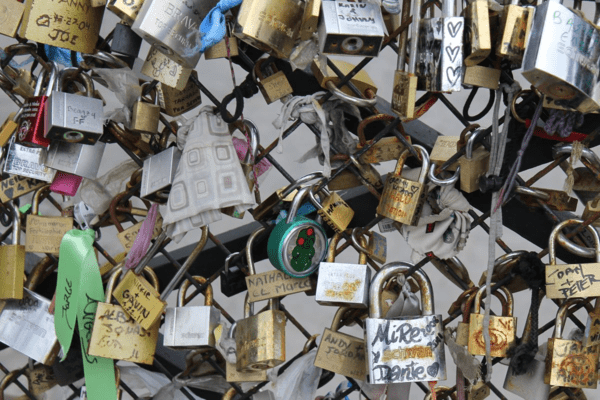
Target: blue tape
(212,28)
(61,56)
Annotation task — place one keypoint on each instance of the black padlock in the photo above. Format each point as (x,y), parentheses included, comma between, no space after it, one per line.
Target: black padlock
(233,279)
(125,41)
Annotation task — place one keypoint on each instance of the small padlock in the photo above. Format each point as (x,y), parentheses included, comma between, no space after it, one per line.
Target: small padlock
(395,358)
(26,162)
(233,375)
(334,210)
(125,41)
(480,76)
(273,84)
(341,353)
(9,127)
(175,102)
(233,279)
(127,236)
(479,391)
(145,115)
(310,19)
(443,149)
(502,328)
(441,394)
(220,49)
(127,10)
(12,257)
(260,339)
(568,362)
(515,26)
(402,199)
(160,67)
(473,164)
(158,174)
(40,379)
(191,327)
(352,29)
(342,284)
(11,14)
(75,158)
(20,79)
(44,234)
(477,32)
(297,245)
(73,118)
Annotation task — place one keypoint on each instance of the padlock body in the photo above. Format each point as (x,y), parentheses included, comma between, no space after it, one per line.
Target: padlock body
(481,76)
(31,123)
(145,117)
(191,327)
(408,349)
(402,200)
(28,327)
(139,299)
(10,17)
(386,149)
(297,248)
(125,9)
(565,281)
(515,28)
(569,364)
(219,50)
(530,385)
(274,283)
(562,55)
(175,102)
(443,149)
(12,259)
(125,41)
(502,335)
(260,341)
(116,335)
(377,247)
(158,175)
(472,168)
(160,67)
(127,237)
(233,281)
(343,285)
(233,375)
(75,158)
(477,30)
(404,94)
(342,354)
(275,87)
(73,118)
(480,391)
(352,29)
(65,184)
(44,234)
(8,129)
(462,334)
(27,162)
(336,212)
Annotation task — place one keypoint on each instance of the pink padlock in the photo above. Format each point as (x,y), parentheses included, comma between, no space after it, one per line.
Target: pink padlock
(65,184)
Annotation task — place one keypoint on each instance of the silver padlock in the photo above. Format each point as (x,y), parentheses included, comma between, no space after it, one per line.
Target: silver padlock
(562,58)
(351,29)
(440,63)
(75,158)
(158,174)
(172,27)
(73,118)
(404,349)
(342,284)
(27,161)
(191,327)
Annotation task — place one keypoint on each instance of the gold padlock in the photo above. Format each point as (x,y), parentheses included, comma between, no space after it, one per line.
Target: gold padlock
(310,19)
(443,149)
(8,128)
(125,9)
(175,102)
(402,199)
(324,74)
(12,260)
(168,72)
(233,375)
(385,149)
(11,14)
(220,50)
(273,84)
(118,336)
(514,31)
(145,114)
(334,210)
(480,76)
(477,33)
(44,234)
(474,162)
(479,391)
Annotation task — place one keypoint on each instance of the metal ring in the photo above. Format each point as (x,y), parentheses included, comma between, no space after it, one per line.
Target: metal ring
(532,192)
(513,109)
(443,182)
(350,99)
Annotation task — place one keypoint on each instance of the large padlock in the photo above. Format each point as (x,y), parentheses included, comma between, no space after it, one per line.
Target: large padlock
(145,114)
(172,27)
(273,84)
(75,158)
(342,284)
(158,174)
(441,51)
(174,102)
(515,31)
(341,353)
(160,67)
(334,210)
(118,336)
(502,328)
(404,349)
(568,362)
(270,25)
(191,327)
(297,244)
(260,339)
(12,257)
(567,281)
(44,234)
(473,164)
(562,55)
(477,32)
(349,28)
(231,372)
(402,199)
(125,41)
(73,118)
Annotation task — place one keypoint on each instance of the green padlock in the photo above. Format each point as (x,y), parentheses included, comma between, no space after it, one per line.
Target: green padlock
(297,245)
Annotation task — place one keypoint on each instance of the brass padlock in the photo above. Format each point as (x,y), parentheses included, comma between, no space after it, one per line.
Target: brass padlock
(116,335)
(175,102)
(125,9)
(310,19)
(478,40)
(273,84)
(127,236)
(11,13)
(21,80)
(8,128)
(514,31)
(443,149)
(402,199)
(385,149)
(479,391)
(334,210)
(260,339)
(145,114)
(324,74)
(12,258)
(220,49)
(341,353)
(480,76)
(233,375)
(502,328)
(44,234)
(160,67)
(473,163)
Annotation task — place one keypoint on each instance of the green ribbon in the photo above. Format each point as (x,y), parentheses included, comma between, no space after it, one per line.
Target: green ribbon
(78,291)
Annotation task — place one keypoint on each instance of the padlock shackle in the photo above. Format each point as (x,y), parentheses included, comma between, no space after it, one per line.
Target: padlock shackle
(424,157)
(249,244)
(560,149)
(360,244)
(231,332)
(306,178)
(296,203)
(208,292)
(465,134)
(114,278)
(253,150)
(39,83)
(228,260)
(112,211)
(74,74)
(248,307)
(509,309)
(443,182)
(16,233)
(561,315)
(52,78)
(333,242)
(414,35)
(471,143)
(37,196)
(345,97)
(448,8)
(558,228)
(338,318)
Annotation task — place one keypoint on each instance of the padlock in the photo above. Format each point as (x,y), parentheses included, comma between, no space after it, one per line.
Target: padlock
(12,257)
(220,49)
(260,339)
(233,279)
(127,10)
(441,51)
(9,127)
(341,353)
(351,29)
(40,379)
(32,120)
(568,362)
(145,115)
(514,35)
(158,174)
(567,281)
(480,76)
(343,284)
(270,25)
(334,210)
(125,41)
(11,13)
(160,67)
(553,199)
(127,236)
(402,199)
(75,158)
(443,149)
(175,102)
(118,336)
(26,162)
(473,164)
(571,79)
(20,79)
(233,375)
(172,27)
(65,184)
(404,349)
(376,247)
(273,84)
(477,32)
(323,74)
(297,244)
(72,118)
(502,328)
(310,19)
(44,234)
(191,327)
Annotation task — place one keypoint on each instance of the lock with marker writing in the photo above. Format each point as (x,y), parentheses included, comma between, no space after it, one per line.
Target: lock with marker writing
(273,84)
(174,102)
